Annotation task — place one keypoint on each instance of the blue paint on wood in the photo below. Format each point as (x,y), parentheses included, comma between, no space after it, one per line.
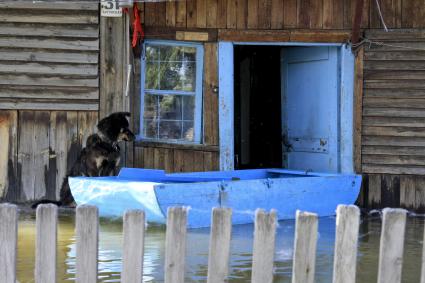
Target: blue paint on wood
(242,190)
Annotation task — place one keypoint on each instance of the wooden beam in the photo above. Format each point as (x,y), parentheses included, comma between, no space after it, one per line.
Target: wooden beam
(355,36)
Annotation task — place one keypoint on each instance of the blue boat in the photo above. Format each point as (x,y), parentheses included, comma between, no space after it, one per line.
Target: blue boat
(242,190)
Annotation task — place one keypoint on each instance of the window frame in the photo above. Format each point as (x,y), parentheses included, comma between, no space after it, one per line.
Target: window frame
(198,93)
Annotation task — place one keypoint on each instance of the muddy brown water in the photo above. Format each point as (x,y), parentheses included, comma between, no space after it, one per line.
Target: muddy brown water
(110,244)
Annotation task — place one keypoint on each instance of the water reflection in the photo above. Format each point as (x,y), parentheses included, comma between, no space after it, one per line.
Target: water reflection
(110,245)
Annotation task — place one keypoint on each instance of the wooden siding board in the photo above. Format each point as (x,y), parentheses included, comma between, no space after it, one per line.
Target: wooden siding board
(35,55)
(150,13)
(73,146)
(390,191)
(242,14)
(9,156)
(201,13)
(181,12)
(252,20)
(191,17)
(212,13)
(221,13)
(24,5)
(26,155)
(231,14)
(170,14)
(316,14)
(210,97)
(264,14)
(290,13)
(58,145)
(303,13)
(277,12)
(420,194)
(407,191)
(374,190)
(47,30)
(358,104)
(48,17)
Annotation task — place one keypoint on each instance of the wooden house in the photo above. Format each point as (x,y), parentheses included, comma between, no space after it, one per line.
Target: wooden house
(219,84)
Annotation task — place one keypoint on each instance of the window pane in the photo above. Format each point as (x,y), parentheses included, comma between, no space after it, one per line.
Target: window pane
(151,107)
(152,53)
(150,128)
(188,131)
(170,76)
(188,107)
(152,75)
(170,107)
(170,130)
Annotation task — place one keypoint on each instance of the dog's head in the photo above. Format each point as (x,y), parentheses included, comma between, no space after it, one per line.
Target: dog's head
(115,127)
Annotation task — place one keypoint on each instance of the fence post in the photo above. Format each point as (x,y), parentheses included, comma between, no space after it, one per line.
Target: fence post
(303,265)
(347,231)
(220,235)
(391,245)
(175,245)
(46,240)
(264,245)
(8,242)
(134,238)
(87,232)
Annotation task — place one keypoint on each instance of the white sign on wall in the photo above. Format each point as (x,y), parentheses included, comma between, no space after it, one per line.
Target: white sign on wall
(110,8)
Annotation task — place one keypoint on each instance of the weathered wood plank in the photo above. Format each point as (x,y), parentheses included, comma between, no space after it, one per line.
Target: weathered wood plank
(212,6)
(191,13)
(74,70)
(395,55)
(319,36)
(277,14)
(394,159)
(374,185)
(393,131)
(394,74)
(358,108)
(407,191)
(8,242)
(170,11)
(87,234)
(48,104)
(395,84)
(393,169)
(303,13)
(34,55)
(316,14)
(396,35)
(8,156)
(390,191)
(175,245)
(221,13)
(183,160)
(423,260)
(133,250)
(73,145)
(26,155)
(394,112)
(202,11)
(43,92)
(345,255)
(333,17)
(54,17)
(290,13)
(49,30)
(304,247)
(181,13)
(420,194)
(391,246)
(252,20)
(78,6)
(264,14)
(58,146)
(253,35)
(393,150)
(148,158)
(50,43)
(242,14)
(198,161)
(393,141)
(87,122)
(112,65)
(231,14)
(41,151)
(394,93)
(46,240)
(6,79)
(210,96)
(264,245)
(211,161)
(395,66)
(219,248)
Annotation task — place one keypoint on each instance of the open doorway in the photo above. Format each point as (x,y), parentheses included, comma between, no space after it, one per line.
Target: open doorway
(257,107)
(286,105)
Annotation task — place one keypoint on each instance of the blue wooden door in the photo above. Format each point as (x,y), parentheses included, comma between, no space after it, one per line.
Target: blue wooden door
(310,108)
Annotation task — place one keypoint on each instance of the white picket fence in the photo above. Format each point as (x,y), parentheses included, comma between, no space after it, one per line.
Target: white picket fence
(87,235)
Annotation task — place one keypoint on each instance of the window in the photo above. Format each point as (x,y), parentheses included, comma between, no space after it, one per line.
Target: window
(171,91)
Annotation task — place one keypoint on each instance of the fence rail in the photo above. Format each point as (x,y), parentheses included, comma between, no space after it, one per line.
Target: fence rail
(87,235)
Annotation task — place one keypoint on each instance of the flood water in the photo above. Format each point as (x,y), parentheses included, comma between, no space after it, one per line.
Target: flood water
(197,251)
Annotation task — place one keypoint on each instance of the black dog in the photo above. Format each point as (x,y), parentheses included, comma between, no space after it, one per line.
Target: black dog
(100,157)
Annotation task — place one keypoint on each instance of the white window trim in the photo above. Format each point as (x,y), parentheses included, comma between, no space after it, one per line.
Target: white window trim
(197,131)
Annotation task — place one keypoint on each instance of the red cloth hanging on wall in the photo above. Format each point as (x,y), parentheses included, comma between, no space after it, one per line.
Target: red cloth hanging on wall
(138,33)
